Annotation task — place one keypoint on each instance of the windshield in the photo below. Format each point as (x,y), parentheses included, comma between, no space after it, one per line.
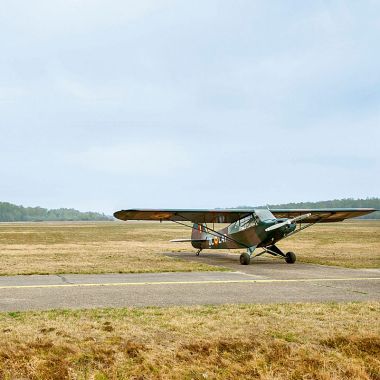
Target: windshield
(242,224)
(264,214)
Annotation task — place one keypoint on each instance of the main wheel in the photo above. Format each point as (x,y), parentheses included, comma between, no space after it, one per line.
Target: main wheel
(245,259)
(290,258)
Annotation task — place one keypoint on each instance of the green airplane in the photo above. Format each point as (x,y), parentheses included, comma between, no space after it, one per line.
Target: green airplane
(247,228)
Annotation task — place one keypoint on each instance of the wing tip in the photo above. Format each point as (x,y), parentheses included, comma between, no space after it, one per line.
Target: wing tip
(119,214)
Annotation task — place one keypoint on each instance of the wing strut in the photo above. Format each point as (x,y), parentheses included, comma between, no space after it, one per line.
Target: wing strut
(211,232)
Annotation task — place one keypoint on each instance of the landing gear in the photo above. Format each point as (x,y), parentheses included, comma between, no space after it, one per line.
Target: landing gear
(245,258)
(198,252)
(273,250)
(290,258)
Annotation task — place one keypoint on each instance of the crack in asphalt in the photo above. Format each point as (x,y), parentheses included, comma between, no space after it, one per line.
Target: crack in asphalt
(64,279)
(340,288)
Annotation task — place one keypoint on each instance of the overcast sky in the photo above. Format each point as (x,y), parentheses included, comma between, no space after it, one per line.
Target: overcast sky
(121,104)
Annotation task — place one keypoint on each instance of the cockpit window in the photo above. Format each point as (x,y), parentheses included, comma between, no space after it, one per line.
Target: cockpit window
(242,224)
(264,214)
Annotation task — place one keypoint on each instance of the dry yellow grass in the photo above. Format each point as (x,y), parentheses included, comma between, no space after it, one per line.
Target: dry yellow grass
(308,341)
(354,244)
(103,247)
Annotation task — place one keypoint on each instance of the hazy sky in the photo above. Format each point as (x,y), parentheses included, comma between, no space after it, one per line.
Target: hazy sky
(120,104)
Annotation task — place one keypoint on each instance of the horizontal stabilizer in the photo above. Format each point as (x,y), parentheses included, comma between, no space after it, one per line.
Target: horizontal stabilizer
(187,240)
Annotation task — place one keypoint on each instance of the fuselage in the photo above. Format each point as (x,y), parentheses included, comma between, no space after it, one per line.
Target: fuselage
(245,233)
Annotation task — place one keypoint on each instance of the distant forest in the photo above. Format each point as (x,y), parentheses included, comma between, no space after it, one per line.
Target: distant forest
(336,203)
(13,213)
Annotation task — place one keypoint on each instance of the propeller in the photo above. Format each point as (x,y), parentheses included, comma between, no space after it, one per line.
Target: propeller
(287,222)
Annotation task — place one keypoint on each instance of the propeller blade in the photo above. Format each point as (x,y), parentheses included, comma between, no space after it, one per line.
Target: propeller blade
(300,217)
(278,225)
(289,221)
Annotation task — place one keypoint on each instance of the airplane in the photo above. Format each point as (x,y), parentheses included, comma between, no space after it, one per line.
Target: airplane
(247,228)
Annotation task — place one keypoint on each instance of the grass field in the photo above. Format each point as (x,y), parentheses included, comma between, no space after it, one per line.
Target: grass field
(353,244)
(97,247)
(294,341)
(104,247)
(298,341)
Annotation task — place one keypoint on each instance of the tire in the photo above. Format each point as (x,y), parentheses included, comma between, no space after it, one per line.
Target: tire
(245,259)
(290,258)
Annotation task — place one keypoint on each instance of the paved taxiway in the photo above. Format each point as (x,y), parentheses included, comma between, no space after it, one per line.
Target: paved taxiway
(265,281)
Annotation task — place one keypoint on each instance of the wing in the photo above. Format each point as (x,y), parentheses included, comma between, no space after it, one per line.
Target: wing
(233,215)
(323,215)
(195,216)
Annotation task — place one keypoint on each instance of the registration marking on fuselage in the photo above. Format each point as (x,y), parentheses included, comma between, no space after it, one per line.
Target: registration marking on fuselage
(211,282)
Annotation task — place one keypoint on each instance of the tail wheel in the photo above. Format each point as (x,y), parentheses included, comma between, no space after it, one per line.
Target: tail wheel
(290,258)
(245,259)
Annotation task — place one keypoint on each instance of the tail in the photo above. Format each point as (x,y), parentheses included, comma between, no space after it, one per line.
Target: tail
(198,236)
(199,232)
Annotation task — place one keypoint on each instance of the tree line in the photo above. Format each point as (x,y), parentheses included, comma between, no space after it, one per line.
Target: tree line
(335,203)
(13,213)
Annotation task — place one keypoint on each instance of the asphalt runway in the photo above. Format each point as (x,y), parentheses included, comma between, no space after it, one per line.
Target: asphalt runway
(264,281)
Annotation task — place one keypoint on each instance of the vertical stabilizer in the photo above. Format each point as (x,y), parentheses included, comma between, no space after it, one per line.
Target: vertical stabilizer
(199,232)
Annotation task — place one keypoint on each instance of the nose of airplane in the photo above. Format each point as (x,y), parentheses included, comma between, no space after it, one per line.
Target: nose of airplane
(290,227)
